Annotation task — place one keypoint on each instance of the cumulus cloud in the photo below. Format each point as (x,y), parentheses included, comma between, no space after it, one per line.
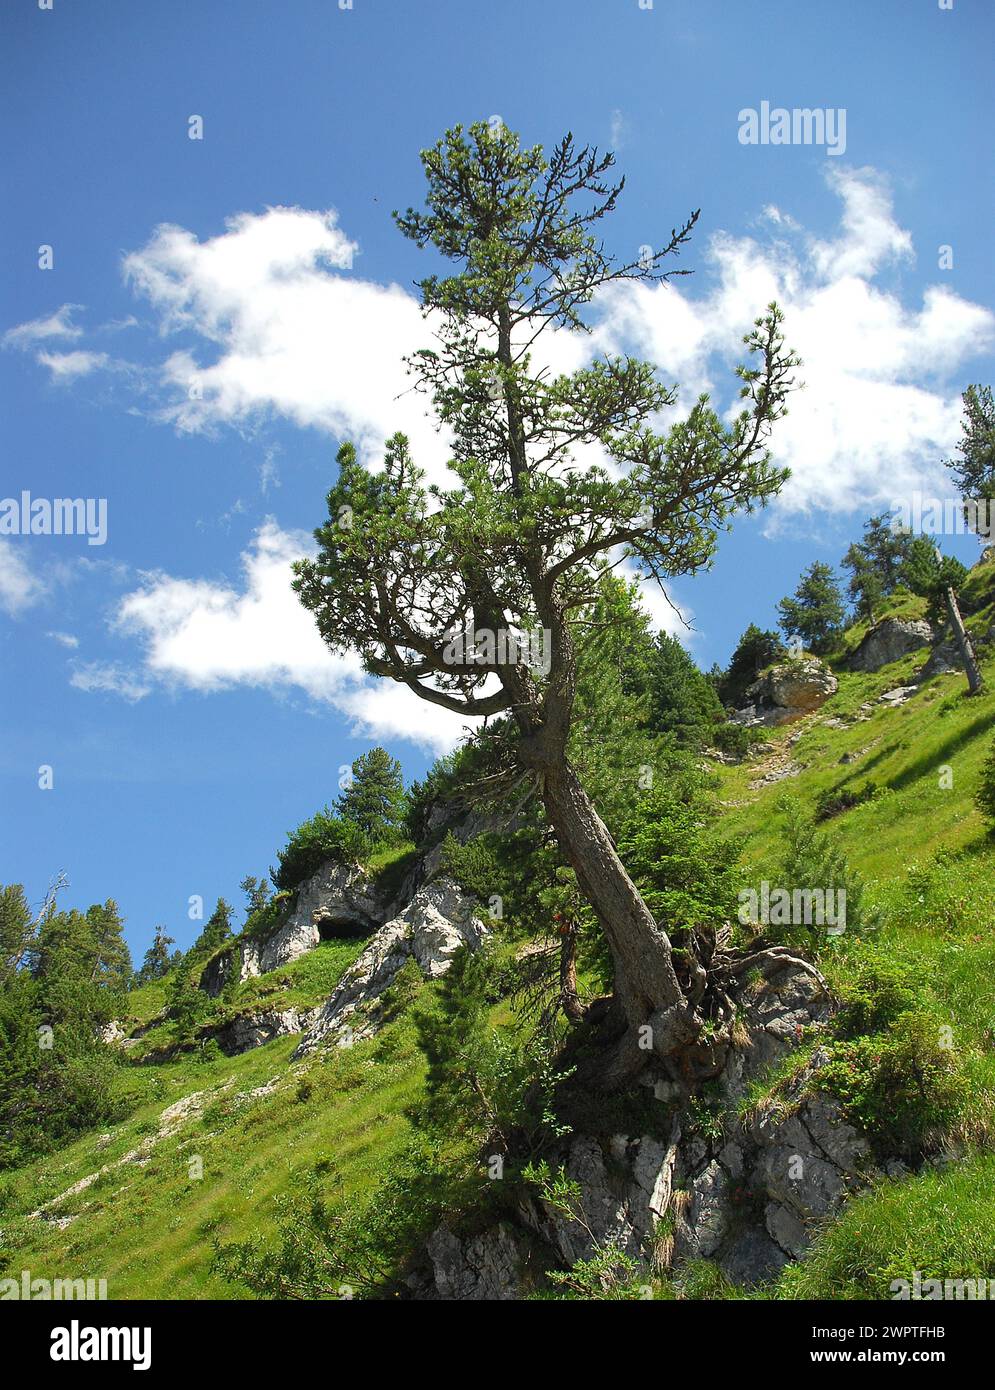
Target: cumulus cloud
(881,406)
(209,636)
(291,330)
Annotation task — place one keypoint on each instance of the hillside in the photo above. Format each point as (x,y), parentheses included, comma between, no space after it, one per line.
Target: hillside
(220,1148)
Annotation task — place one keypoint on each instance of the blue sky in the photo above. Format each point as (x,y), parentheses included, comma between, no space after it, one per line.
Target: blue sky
(196,354)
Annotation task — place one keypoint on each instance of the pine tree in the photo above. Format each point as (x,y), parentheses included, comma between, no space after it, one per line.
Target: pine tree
(156,962)
(216,931)
(682,700)
(816,612)
(756,650)
(974,468)
(256,892)
(937,577)
(520,539)
(374,799)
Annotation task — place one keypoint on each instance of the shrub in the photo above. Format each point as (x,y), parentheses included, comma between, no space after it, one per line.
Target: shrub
(986,791)
(325,836)
(835,800)
(736,740)
(903,1088)
(812,860)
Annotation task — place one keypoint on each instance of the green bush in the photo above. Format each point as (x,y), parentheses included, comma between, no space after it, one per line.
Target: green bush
(986,791)
(736,740)
(903,1088)
(878,992)
(325,836)
(835,800)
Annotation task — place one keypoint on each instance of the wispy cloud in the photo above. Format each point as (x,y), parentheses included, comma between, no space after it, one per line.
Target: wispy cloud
(65,365)
(110,678)
(57,325)
(20,587)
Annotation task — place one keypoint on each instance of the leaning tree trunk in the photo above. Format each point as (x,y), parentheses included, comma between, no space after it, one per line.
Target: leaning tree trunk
(964,644)
(651,1008)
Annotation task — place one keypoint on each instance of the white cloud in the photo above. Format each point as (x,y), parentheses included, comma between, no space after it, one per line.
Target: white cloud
(64,639)
(20,588)
(881,404)
(110,678)
(57,325)
(66,365)
(294,332)
(213,636)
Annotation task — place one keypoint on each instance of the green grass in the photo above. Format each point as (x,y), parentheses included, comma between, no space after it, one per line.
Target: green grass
(940,736)
(302,983)
(147,1227)
(940,1222)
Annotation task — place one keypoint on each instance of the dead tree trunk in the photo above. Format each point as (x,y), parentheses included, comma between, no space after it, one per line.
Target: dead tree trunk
(965,646)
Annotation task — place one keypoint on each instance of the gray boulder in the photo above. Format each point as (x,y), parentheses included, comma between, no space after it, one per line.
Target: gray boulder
(787,691)
(254,1030)
(889,641)
(480,1268)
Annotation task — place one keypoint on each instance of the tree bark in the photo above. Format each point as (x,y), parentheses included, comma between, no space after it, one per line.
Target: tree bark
(569,998)
(647,990)
(964,644)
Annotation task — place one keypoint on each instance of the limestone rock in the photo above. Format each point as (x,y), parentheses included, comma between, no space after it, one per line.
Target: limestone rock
(484,1267)
(253,1030)
(787,691)
(438,920)
(944,657)
(336,898)
(888,641)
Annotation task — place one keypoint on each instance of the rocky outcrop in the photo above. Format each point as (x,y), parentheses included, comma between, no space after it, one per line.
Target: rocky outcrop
(439,919)
(706,1185)
(944,657)
(889,641)
(482,1268)
(338,898)
(254,1030)
(787,691)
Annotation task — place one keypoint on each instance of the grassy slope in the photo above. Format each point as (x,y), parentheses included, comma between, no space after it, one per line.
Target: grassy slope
(147,1227)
